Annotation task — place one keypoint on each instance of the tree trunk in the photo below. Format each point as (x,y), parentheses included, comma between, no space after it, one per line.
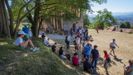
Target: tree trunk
(35,26)
(62,23)
(5,31)
(53,23)
(57,24)
(10,17)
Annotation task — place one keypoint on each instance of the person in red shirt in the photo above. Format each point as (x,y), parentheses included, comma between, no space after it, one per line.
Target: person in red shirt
(106,58)
(75,59)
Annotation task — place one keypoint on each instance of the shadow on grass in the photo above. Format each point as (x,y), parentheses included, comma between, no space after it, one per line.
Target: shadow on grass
(43,62)
(118,60)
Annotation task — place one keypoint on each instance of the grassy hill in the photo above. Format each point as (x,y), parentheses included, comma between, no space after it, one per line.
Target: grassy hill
(18,61)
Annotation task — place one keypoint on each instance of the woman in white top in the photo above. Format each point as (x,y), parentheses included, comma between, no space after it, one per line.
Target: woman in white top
(78,42)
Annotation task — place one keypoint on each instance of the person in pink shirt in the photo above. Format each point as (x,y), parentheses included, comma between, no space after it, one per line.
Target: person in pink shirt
(75,59)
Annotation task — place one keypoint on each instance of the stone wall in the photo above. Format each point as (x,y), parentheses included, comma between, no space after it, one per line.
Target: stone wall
(66,24)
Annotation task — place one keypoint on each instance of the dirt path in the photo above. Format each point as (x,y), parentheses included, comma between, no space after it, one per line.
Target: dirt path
(124,53)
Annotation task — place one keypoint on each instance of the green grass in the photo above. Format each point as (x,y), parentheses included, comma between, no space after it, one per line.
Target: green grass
(44,62)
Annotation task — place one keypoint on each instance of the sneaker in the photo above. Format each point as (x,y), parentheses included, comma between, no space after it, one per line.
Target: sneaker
(34,49)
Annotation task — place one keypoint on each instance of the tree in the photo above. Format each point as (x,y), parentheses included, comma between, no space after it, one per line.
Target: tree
(57,10)
(5,19)
(86,20)
(128,25)
(104,19)
(38,10)
(125,25)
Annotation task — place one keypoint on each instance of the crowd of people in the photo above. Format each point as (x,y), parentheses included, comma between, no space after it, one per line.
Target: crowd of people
(82,41)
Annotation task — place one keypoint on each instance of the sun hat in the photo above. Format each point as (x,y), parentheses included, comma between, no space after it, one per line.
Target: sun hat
(21,32)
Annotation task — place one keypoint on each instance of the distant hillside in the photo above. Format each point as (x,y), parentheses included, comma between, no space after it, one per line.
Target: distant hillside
(121,17)
(124,17)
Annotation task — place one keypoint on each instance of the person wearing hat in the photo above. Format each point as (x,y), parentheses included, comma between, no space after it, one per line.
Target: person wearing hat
(20,42)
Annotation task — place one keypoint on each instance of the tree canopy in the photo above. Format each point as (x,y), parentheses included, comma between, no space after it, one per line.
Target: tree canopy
(104,19)
(35,11)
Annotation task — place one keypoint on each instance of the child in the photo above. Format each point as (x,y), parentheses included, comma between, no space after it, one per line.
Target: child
(75,59)
(107,59)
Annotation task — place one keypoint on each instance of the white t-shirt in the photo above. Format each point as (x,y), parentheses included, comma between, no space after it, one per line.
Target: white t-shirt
(69,38)
(46,42)
(18,41)
(112,44)
(78,40)
(80,31)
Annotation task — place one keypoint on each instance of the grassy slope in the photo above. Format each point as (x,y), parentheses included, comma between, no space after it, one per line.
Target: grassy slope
(17,61)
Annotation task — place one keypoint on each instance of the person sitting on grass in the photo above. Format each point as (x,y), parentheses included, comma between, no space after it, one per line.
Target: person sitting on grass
(24,43)
(62,53)
(46,42)
(129,69)
(54,47)
(75,59)
(43,36)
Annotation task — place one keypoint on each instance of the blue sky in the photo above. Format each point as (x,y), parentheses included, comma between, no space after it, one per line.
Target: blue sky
(116,6)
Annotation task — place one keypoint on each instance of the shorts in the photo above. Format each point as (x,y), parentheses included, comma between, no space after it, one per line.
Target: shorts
(108,60)
(112,47)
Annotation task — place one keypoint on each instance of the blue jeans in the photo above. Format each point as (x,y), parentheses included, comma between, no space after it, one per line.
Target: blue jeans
(94,63)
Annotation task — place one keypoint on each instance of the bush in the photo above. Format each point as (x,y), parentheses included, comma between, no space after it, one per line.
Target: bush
(125,25)
(122,25)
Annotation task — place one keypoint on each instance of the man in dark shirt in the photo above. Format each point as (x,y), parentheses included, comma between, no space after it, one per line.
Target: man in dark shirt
(95,56)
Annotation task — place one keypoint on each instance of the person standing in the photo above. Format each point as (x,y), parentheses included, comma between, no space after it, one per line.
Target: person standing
(107,59)
(67,41)
(87,50)
(113,45)
(97,30)
(78,42)
(95,56)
